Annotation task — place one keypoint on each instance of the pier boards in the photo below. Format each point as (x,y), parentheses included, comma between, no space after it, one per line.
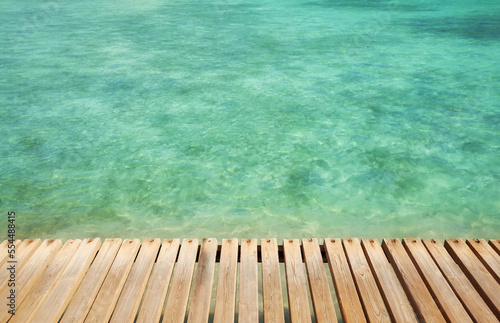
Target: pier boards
(250,280)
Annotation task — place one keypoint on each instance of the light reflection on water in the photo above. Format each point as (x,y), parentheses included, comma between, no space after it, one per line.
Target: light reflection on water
(251,119)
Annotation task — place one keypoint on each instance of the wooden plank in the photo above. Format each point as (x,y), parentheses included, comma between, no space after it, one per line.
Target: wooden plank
(28,275)
(175,310)
(248,307)
(225,300)
(46,281)
(131,296)
(35,265)
(487,255)
(54,304)
(347,296)
(199,309)
(84,298)
(107,297)
(397,304)
(414,286)
(4,250)
(296,282)
(156,291)
(367,287)
(26,249)
(4,255)
(271,282)
(324,309)
(495,244)
(470,298)
(22,254)
(477,273)
(442,293)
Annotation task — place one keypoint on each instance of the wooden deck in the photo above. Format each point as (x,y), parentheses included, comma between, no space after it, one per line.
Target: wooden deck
(242,280)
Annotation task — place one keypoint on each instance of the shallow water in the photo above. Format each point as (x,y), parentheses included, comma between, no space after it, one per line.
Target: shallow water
(250,118)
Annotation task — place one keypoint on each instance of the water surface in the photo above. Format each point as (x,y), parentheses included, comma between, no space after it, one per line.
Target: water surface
(251,118)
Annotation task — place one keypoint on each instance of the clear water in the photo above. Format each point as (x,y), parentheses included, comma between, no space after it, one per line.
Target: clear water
(250,118)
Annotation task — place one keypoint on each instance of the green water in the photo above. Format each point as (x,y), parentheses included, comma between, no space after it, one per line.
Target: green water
(250,118)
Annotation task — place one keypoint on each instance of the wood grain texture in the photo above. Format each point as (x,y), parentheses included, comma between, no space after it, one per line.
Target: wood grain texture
(35,265)
(5,247)
(371,298)
(84,298)
(443,294)
(199,309)
(345,288)
(55,302)
(131,295)
(28,275)
(248,306)
(324,310)
(26,249)
(271,282)
(414,286)
(298,300)
(46,281)
(175,310)
(495,244)
(478,274)
(107,297)
(23,252)
(393,294)
(470,298)
(225,300)
(156,290)
(487,255)
(4,250)
(409,281)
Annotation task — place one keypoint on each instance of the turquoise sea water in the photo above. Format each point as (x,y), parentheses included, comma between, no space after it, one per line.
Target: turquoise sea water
(250,118)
